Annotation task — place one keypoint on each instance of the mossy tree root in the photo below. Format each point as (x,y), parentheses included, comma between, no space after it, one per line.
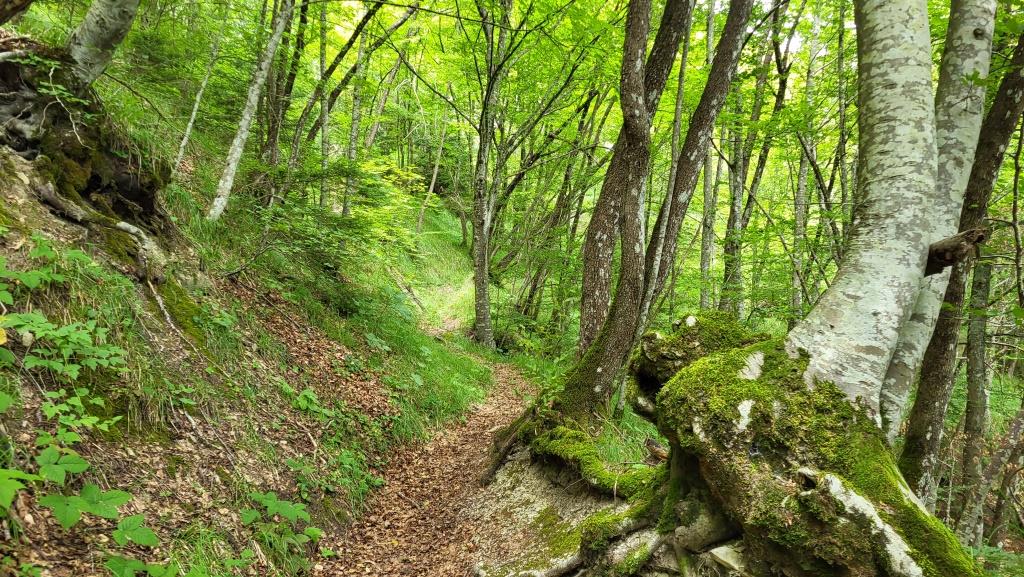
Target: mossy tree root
(788,473)
(806,476)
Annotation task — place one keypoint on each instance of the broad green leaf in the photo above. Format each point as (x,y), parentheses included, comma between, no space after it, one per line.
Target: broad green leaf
(67,510)
(249,515)
(103,503)
(132,529)
(124,567)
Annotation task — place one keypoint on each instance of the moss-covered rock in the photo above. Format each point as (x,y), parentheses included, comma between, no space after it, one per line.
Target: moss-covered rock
(659,357)
(806,475)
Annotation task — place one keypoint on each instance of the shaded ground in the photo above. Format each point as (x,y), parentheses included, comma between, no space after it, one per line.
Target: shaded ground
(417,523)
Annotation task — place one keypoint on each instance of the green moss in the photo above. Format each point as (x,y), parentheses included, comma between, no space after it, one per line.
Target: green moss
(659,357)
(790,423)
(558,539)
(598,530)
(183,310)
(633,563)
(120,245)
(578,449)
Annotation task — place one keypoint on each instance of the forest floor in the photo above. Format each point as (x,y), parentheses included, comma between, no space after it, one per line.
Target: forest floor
(417,523)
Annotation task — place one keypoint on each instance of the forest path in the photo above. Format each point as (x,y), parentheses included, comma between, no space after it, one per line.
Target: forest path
(415,524)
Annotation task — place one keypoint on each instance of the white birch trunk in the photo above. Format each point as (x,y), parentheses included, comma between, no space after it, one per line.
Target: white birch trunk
(959,109)
(852,332)
(198,102)
(259,79)
(93,43)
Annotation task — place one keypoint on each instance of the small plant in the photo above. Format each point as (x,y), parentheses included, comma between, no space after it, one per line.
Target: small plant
(282,527)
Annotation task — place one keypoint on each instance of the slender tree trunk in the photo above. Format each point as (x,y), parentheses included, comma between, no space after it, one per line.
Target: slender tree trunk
(707,235)
(317,96)
(214,53)
(998,466)
(382,101)
(801,199)
(959,107)
(325,145)
(12,8)
(925,425)
(353,133)
(433,175)
(1004,499)
(93,43)
(483,196)
(851,333)
(227,179)
(368,52)
(976,415)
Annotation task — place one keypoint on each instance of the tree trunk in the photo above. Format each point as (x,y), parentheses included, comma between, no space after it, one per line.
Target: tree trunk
(483,198)
(802,198)
(227,179)
(1005,499)
(589,383)
(93,43)
(959,107)
(11,8)
(214,53)
(976,415)
(325,146)
(433,175)
(927,417)
(851,333)
(602,232)
(317,96)
(353,133)
(382,101)
(998,466)
(707,235)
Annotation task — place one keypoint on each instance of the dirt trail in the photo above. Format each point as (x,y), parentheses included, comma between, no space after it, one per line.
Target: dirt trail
(415,524)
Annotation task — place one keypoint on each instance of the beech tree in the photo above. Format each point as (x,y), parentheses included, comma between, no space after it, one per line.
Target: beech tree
(93,43)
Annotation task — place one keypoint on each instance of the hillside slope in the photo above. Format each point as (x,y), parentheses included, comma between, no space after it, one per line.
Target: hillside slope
(205,422)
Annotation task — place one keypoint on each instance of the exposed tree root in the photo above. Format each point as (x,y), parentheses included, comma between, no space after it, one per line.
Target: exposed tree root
(87,171)
(767,477)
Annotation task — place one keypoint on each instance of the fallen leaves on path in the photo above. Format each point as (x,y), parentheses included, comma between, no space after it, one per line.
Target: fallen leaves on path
(416,525)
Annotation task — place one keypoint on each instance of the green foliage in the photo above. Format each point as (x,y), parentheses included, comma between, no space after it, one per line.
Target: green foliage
(282,527)
(131,529)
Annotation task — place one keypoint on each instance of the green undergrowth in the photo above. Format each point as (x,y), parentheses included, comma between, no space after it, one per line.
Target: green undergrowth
(785,418)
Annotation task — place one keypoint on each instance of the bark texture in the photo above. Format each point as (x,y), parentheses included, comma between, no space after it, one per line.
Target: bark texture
(959,107)
(851,333)
(93,43)
(11,8)
(927,416)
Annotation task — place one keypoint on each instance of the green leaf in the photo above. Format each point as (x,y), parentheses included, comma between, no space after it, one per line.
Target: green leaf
(67,510)
(103,503)
(5,402)
(131,529)
(157,570)
(249,515)
(8,489)
(124,567)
